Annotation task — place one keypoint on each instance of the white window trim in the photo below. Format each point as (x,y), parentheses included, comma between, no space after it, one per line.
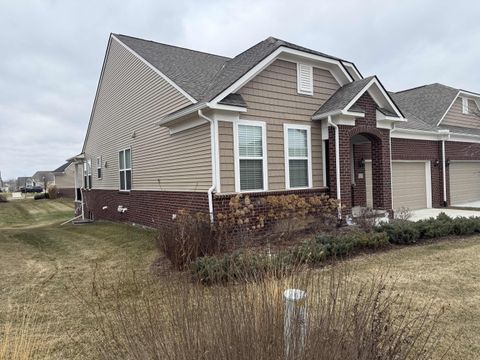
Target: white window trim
(465,109)
(287,158)
(236,154)
(99,166)
(125,169)
(299,89)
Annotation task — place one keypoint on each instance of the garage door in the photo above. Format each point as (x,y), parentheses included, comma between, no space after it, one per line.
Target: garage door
(464,182)
(409,182)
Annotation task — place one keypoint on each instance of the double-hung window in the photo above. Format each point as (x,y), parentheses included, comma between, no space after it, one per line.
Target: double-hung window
(251,162)
(87,174)
(125,169)
(99,167)
(298,157)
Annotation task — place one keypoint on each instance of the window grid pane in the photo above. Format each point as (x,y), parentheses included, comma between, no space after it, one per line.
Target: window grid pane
(298,172)
(250,141)
(122,180)
(128,159)
(121,156)
(251,174)
(297,143)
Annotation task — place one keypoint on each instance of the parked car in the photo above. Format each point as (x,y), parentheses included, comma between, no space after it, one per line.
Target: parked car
(31,189)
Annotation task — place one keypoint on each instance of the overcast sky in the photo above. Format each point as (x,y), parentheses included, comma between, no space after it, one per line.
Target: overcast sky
(52,52)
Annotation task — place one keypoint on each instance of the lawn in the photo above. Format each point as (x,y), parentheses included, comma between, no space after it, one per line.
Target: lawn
(41,262)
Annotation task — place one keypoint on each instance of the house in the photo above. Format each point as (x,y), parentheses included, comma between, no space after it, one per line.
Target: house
(175,128)
(64,179)
(24,182)
(43,179)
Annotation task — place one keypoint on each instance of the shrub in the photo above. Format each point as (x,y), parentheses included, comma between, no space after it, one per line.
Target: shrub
(401,232)
(241,265)
(347,318)
(52,192)
(188,237)
(406,232)
(41,196)
(3,198)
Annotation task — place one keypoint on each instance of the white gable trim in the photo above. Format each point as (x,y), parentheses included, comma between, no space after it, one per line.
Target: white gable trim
(270,59)
(356,74)
(94,106)
(375,81)
(459,94)
(165,77)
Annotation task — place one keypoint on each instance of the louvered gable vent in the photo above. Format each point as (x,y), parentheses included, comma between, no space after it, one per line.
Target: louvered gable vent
(304,79)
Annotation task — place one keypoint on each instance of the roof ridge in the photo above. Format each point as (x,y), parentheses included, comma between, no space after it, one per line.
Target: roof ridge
(173,46)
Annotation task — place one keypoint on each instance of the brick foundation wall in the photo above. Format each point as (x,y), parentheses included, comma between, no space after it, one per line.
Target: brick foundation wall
(149,208)
(221,201)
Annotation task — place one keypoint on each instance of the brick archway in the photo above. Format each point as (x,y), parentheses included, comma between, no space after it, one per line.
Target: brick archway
(380,156)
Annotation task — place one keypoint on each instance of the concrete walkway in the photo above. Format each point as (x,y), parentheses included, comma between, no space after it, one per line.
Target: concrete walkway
(428,213)
(473,204)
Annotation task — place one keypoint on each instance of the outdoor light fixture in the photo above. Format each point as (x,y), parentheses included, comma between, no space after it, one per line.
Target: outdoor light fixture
(361,163)
(447,162)
(436,162)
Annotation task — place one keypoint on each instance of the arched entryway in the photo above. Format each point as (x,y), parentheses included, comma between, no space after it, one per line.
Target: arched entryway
(359,145)
(365,176)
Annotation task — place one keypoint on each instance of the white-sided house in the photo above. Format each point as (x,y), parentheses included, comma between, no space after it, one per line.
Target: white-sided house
(64,179)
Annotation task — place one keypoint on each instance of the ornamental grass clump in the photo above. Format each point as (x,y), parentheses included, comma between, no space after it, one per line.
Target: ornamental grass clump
(346,319)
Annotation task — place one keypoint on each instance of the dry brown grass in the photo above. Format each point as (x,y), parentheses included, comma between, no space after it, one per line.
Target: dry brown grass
(48,260)
(347,320)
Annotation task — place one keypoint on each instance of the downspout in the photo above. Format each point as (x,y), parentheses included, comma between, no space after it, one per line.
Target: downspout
(213,146)
(444,175)
(337,165)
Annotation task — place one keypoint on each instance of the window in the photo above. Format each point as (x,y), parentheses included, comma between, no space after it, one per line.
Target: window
(304,79)
(251,165)
(125,167)
(465,105)
(298,159)
(87,174)
(99,167)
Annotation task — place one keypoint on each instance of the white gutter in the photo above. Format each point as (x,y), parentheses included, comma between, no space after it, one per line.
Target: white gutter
(337,165)
(213,146)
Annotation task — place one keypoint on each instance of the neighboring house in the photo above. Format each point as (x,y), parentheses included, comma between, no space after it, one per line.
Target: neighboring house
(64,179)
(24,181)
(174,128)
(44,179)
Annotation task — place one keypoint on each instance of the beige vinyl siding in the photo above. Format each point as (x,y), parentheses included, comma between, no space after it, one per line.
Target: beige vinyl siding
(464,182)
(272,97)
(67,179)
(456,117)
(131,98)
(225,138)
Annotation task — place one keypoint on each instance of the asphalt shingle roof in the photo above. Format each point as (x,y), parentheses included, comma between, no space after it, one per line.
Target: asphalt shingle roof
(191,70)
(62,168)
(204,76)
(342,97)
(426,103)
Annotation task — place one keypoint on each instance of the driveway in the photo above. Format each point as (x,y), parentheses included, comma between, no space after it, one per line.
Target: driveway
(473,204)
(428,213)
